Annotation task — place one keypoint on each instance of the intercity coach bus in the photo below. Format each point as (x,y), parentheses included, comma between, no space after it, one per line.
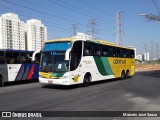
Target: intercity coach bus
(16,65)
(70,61)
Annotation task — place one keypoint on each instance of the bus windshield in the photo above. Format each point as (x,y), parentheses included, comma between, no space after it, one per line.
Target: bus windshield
(52,61)
(57,46)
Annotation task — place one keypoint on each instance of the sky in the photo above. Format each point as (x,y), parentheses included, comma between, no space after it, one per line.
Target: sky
(59,16)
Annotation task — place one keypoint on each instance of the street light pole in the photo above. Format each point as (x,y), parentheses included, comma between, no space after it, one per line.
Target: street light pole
(151,17)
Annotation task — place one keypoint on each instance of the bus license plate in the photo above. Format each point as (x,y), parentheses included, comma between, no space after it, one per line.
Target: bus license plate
(50,81)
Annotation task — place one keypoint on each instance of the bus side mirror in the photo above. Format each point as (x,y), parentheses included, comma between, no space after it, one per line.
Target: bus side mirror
(67,54)
(34,55)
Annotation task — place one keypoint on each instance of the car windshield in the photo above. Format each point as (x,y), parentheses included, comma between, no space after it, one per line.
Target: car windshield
(52,61)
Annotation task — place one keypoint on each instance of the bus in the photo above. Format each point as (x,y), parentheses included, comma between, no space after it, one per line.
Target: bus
(16,65)
(69,61)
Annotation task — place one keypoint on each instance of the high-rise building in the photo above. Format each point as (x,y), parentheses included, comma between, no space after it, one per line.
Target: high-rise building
(139,57)
(146,56)
(36,34)
(12,32)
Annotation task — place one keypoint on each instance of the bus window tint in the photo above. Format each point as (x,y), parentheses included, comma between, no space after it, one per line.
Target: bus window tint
(132,54)
(37,58)
(118,52)
(126,53)
(88,49)
(110,51)
(97,50)
(25,58)
(76,55)
(12,58)
(114,51)
(104,51)
(121,52)
(2,58)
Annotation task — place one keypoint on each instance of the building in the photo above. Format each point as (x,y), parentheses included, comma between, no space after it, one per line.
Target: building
(146,56)
(12,32)
(36,34)
(139,57)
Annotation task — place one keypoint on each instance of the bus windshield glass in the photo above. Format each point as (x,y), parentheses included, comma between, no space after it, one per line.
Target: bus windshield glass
(54,46)
(53,61)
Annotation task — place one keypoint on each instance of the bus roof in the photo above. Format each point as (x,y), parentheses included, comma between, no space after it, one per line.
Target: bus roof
(104,42)
(61,40)
(10,50)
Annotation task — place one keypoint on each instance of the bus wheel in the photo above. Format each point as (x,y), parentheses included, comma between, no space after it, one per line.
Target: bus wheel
(86,80)
(1,80)
(127,74)
(122,75)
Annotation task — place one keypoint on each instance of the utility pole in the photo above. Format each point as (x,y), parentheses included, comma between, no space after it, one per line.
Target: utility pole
(119,31)
(156,47)
(74,29)
(152,17)
(145,52)
(145,48)
(92,25)
(152,53)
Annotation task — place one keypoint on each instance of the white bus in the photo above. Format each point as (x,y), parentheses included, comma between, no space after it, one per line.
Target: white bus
(17,65)
(69,61)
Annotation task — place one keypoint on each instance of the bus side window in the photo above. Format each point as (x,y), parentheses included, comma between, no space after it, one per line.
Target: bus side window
(124,53)
(17,58)
(88,49)
(121,52)
(86,52)
(97,50)
(8,58)
(132,54)
(114,51)
(110,53)
(118,52)
(104,51)
(24,58)
(37,58)
(12,57)
(2,58)
(128,53)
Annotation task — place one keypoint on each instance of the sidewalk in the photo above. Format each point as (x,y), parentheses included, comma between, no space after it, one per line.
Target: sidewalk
(140,68)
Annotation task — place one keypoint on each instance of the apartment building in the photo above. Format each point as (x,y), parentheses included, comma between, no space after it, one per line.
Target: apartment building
(12,32)
(36,34)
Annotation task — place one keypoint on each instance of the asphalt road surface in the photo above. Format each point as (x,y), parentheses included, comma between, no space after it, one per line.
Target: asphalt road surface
(139,93)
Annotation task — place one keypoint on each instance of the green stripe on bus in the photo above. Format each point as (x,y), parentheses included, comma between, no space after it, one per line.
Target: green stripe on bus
(107,66)
(60,74)
(100,65)
(54,74)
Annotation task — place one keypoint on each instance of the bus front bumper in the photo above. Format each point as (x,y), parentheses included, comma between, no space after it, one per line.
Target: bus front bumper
(54,81)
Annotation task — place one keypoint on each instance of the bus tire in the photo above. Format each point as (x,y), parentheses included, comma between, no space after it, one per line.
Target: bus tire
(86,80)
(127,74)
(1,81)
(122,75)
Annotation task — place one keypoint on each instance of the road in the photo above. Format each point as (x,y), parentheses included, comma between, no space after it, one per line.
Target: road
(139,93)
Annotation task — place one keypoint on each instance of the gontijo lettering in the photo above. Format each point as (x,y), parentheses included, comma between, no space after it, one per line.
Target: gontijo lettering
(119,61)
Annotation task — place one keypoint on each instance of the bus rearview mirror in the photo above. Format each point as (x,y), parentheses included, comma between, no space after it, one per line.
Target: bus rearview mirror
(67,54)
